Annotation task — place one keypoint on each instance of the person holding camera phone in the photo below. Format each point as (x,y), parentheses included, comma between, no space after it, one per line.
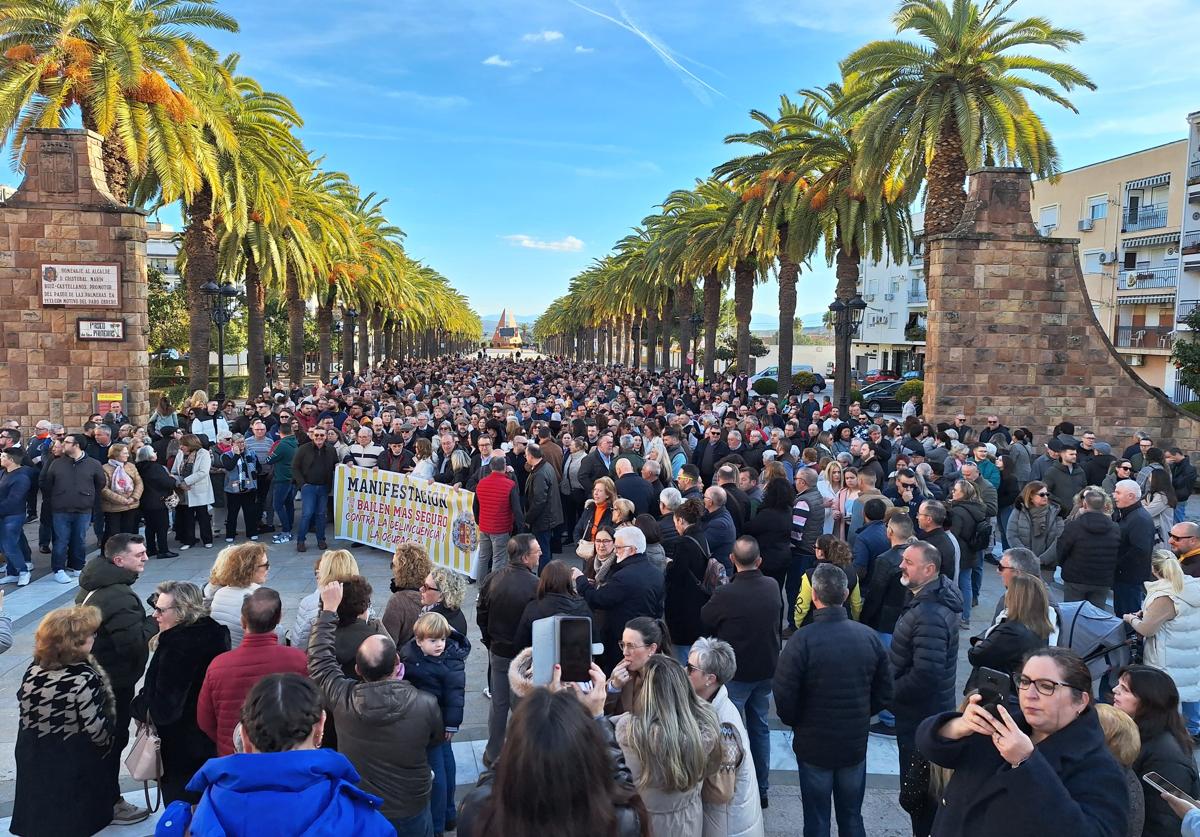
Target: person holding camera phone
(1042,770)
(1025,627)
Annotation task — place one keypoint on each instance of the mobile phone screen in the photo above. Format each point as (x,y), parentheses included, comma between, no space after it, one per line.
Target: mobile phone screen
(575,649)
(1157,782)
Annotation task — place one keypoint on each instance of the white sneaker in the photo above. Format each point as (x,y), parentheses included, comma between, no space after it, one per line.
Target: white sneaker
(61,577)
(23,580)
(74,573)
(11,579)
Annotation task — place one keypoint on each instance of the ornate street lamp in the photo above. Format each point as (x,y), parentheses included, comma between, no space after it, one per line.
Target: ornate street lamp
(847,316)
(221,302)
(696,320)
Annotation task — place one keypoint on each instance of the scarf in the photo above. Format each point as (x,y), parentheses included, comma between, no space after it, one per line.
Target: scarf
(1039,518)
(120,481)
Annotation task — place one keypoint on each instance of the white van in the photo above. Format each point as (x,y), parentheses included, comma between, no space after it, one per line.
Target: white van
(772,372)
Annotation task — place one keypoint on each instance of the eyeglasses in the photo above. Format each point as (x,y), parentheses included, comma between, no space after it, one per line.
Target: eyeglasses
(629,646)
(604,540)
(159,611)
(1172,536)
(425,588)
(990,421)
(1002,567)
(1124,467)
(691,668)
(1043,494)
(1044,686)
(265,565)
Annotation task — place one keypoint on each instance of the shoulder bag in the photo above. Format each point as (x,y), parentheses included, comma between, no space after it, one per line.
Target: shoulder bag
(144,761)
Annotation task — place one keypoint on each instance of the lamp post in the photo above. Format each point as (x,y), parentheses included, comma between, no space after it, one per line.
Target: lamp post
(221,300)
(847,316)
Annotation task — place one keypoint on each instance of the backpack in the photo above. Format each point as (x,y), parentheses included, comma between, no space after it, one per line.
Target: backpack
(714,573)
(981,538)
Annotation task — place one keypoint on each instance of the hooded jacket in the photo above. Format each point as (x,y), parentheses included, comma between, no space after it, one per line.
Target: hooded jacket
(444,677)
(125,629)
(964,519)
(1088,549)
(309,793)
(385,727)
(924,653)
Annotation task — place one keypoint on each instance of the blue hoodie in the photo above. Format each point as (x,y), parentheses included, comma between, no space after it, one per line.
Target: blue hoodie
(298,793)
(14,488)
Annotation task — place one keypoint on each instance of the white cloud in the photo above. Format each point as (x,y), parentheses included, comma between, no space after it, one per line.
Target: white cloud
(583,49)
(570,244)
(497,61)
(426,101)
(545,36)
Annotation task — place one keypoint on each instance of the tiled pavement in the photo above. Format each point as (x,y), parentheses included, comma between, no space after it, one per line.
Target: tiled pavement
(291,574)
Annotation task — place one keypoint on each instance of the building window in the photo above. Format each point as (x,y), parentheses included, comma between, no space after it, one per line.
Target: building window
(1048,219)
(1098,207)
(1131,261)
(1091,262)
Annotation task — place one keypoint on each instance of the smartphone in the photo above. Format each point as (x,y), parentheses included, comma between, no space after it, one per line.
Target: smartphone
(995,687)
(565,641)
(1160,784)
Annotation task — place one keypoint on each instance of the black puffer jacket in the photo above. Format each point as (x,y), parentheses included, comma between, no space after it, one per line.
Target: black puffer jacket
(473,812)
(1003,649)
(1088,549)
(551,604)
(833,675)
(1137,544)
(964,519)
(924,653)
(122,642)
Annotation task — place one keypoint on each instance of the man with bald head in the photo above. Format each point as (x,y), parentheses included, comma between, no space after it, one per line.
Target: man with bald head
(633,487)
(719,528)
(1184,540)
(385,725)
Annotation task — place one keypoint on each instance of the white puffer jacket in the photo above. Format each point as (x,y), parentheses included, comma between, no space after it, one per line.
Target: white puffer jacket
(1174,647)
(742,816)
(225,607)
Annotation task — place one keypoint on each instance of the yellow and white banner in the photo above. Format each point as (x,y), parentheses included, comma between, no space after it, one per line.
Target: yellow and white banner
(384,508)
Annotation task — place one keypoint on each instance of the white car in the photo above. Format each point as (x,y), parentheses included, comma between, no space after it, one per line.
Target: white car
(772,372)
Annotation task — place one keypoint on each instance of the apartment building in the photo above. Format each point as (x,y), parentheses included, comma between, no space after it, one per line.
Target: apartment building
(1189,276)
(162,250)
(1127,213)
(892,335)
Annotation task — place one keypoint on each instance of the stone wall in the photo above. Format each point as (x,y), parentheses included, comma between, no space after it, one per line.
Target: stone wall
(1011,330)
(64,213)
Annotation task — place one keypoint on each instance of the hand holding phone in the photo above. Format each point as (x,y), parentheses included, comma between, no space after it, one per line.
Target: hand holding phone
(1168,789)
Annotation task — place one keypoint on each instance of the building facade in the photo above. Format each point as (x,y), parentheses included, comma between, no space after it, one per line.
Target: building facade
(162,252)
(1189,276)
(892,335)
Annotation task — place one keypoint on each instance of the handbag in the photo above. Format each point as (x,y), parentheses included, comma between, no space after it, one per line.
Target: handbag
(144,761)
(914,785)
(718,789)
(585,549)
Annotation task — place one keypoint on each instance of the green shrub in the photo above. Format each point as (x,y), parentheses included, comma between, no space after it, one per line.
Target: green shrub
(855,395)
(766,386)
(802,382)
(910,388)
(1191,407)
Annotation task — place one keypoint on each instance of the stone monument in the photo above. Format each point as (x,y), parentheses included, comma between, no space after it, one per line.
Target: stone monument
(1011,330)
(73,281)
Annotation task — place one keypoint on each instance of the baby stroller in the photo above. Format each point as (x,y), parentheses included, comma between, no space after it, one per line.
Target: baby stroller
(1102,640)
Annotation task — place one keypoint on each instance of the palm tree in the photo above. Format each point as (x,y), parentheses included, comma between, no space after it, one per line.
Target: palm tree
(135,70)
(956,99)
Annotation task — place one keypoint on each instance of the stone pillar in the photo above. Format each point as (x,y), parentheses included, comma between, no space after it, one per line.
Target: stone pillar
(1011,330)
(63,214)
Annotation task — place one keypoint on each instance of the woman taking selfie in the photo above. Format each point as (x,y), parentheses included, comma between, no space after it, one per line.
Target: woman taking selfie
(1056,779)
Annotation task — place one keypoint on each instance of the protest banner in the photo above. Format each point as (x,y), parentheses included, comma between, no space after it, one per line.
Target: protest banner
(385,508)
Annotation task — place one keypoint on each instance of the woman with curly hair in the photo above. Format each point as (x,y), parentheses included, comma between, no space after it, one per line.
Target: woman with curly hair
(237,572)
(410,567)
(443,592)
(830,550)
(65,730)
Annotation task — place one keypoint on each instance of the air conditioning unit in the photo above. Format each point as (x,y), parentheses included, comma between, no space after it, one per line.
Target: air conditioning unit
(889,297)
(1086,225)
(869,297)
(1135,360)
(1109,257)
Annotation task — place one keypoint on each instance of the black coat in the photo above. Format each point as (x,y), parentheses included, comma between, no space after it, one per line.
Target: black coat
(772,528)
(1071,785)
(667,533)
(551,604)
(1183,477)
(1003,649)
(833,675)
(1063,485)
(886,596)
(964,520)
(502,600)
(637,491)
(125,628)
(444,677)
(169,696)
(157,484)
(1137,544)
(591,468)
(746,614)
(924,653)
(1163,755)
(543,500)
(634,588)
(683,594)
(455,617)
(1088,549)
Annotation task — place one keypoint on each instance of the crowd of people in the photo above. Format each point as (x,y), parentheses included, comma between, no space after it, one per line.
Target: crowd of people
(727,548)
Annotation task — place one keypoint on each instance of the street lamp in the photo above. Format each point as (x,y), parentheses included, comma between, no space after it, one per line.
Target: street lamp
(847,316)
(221,300)
(696,320)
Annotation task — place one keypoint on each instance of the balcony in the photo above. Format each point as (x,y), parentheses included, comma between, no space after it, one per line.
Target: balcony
(1186,307)
(1194,172)
(1148,277)
(1143,337)
(917,295)
(1191,243)
(1145,218)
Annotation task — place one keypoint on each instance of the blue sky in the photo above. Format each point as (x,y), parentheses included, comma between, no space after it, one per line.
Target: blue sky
(517,140)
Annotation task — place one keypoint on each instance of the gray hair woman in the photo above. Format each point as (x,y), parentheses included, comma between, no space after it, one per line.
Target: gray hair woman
(711,664)
(443,591)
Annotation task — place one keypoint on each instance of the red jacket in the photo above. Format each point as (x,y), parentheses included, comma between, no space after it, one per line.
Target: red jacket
(233,674)
(495,498)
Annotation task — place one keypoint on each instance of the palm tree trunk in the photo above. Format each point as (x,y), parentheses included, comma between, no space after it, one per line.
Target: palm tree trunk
(296,314)
(651,340)
(256,328)
(945,196)
(200,244)
(743,301)
(364,339)
(347,341)
(788,271)
(712,313)
(846,272)
(325,335)
(685,299)
(377,324)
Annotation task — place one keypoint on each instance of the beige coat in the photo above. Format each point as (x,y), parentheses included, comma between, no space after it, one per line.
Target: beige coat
(110,501)
(671,812)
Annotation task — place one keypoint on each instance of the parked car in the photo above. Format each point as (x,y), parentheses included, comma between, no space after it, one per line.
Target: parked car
(913,375)
(883,398)
(874,376)
(772,372)
(868,389)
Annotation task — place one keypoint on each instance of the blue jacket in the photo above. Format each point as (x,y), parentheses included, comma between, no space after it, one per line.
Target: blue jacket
(299,793)
(14,488)
(720,533)
(872,541)
(444,677)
